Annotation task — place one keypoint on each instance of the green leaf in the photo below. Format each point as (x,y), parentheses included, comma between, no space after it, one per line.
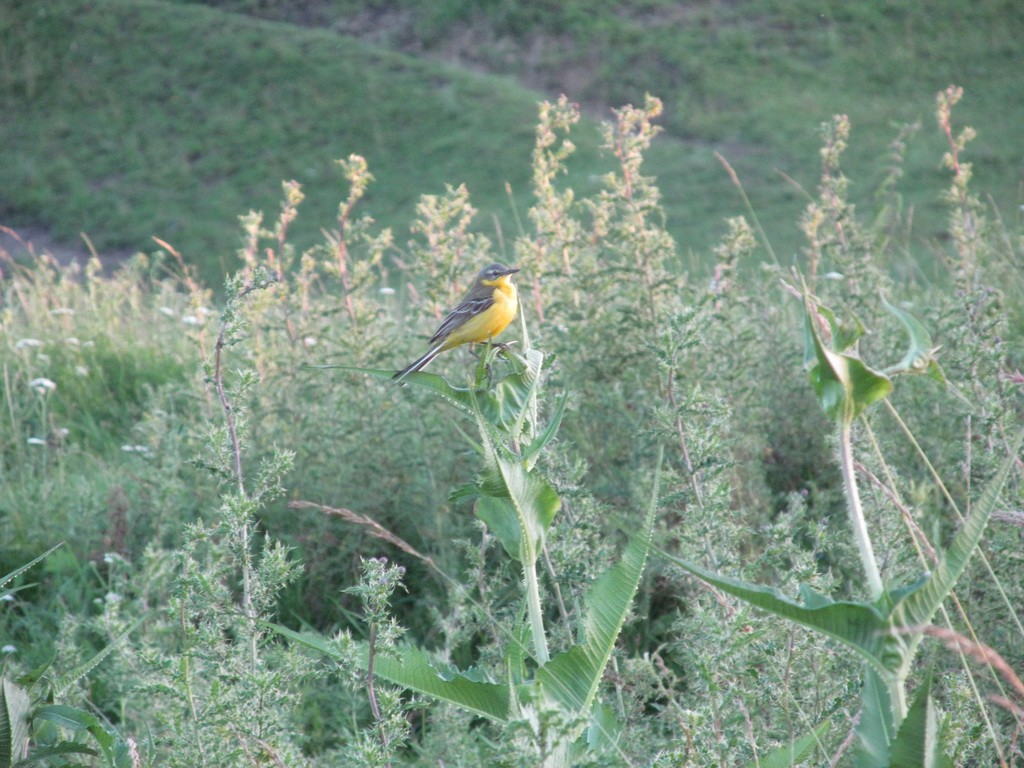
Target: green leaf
(796,751)
(919,741)
(572,677)
(533,501)
(14,715)
(42,755)
(875,729)
(845,386)
(71,718)
(860,626)
(920,356)
(499,515)
(412,668)
(920,606)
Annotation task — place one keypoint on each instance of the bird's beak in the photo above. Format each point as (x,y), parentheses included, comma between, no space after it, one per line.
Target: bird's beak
(511,271)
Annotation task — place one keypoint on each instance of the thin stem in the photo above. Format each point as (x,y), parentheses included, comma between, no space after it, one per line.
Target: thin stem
(374,706)
(860,528)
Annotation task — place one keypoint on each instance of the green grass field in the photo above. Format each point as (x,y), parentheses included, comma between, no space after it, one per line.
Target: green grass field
(127,119)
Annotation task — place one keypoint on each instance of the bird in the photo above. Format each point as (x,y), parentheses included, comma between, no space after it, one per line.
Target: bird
(484,312)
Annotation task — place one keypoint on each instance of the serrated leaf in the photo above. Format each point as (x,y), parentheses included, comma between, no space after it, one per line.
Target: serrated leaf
(875,728)
(918,744)
(860,626)
(572,677)
(86,667)
(14,716)
(798,750)
(4,580)
(541,441)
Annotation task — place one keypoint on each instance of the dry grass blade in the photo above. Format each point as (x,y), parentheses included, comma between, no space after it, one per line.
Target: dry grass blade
(375,529)
(982,653)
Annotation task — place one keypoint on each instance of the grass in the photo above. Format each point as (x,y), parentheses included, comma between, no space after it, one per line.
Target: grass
(171,119)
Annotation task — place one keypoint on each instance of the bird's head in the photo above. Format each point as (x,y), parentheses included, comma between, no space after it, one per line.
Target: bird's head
(495,274)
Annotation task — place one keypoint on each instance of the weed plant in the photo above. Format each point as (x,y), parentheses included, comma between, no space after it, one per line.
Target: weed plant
(513,538)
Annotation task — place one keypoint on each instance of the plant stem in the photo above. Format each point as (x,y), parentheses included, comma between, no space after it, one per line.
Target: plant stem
(540,641)
(860,528)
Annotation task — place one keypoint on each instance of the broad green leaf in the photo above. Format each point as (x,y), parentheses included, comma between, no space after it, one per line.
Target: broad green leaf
(875,730)
(796,751)
(533,500)
(918,743)
(42,755)
(71,718)
(572,677)
(920,356)
(412,668)
(470,690)
(14,715)
(860,626)
(845,386)
(919,607)
(499,515)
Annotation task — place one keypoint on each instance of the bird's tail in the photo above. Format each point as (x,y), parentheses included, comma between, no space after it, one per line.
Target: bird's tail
(418,364)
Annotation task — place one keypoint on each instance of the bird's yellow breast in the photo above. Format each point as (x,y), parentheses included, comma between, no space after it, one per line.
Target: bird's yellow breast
(491,321)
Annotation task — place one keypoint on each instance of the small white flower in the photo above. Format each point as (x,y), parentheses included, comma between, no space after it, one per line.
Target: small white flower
(72,341)
(22,343)
(191,320)
(36,441)
(42,385)
(136,449)
(62,311)
(9,649)
(168,311)
(204,311)
(112,598)
(113,557)
(387,291)
(82,370)
(309,341)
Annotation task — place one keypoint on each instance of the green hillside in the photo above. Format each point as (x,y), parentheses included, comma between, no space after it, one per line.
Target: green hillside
(127,119)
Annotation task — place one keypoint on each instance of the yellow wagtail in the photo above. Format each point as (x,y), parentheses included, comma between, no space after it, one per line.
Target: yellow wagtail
(482,314)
